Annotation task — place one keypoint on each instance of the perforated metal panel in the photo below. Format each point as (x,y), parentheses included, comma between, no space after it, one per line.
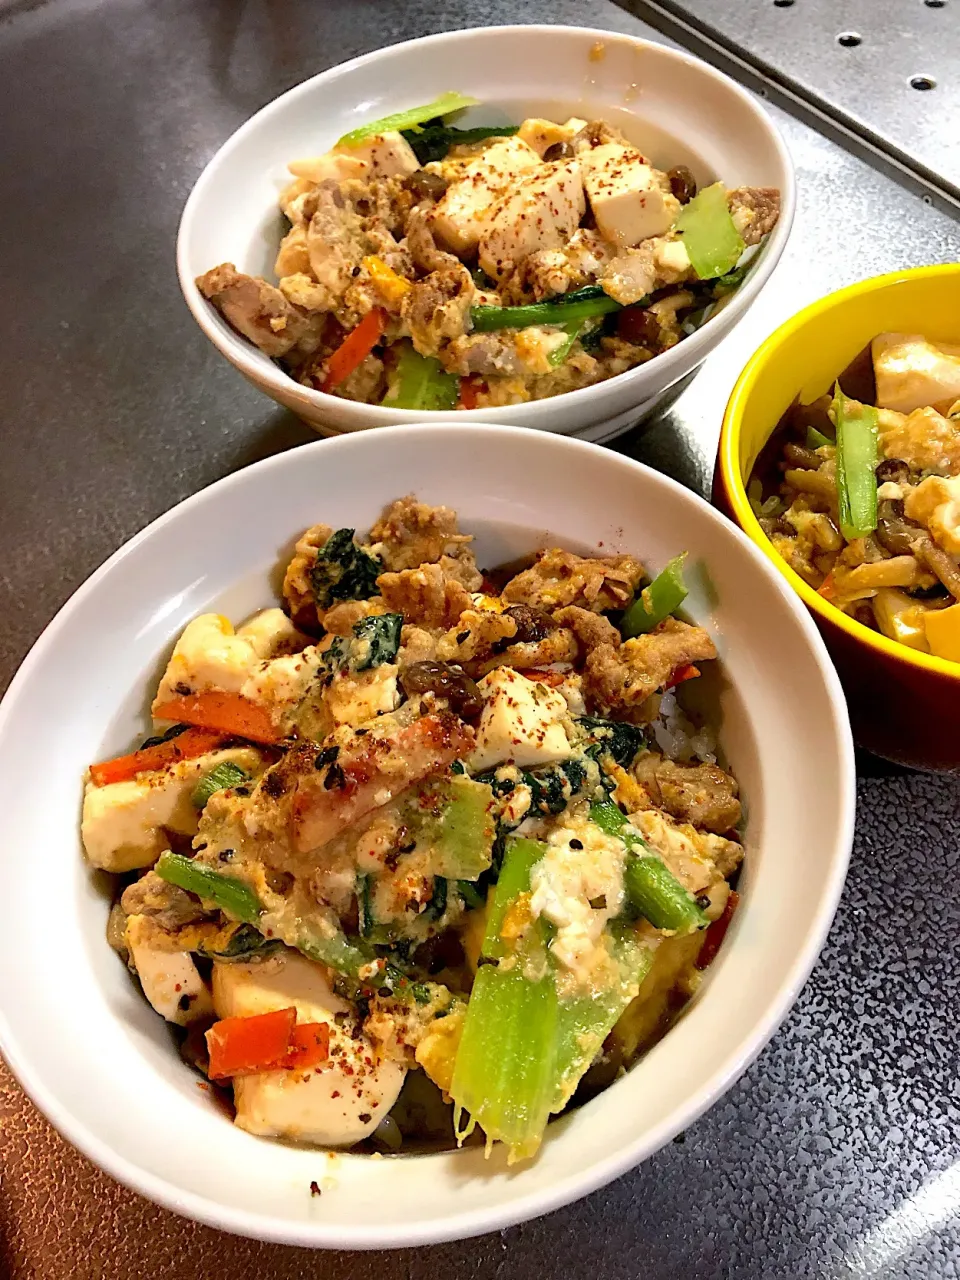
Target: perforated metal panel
(887,70)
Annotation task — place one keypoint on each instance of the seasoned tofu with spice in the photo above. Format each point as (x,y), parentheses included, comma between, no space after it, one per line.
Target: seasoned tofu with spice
(460,216)
(626,195)
(541,211)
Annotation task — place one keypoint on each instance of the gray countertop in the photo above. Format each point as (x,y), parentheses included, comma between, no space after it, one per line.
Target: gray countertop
(838,1153)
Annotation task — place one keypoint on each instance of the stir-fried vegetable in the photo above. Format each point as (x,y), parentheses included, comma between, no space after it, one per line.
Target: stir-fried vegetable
(245,943)
(379,640)
(434,139)
(391,285)
(664,596)
(615,738)
(857,456)
(717,931)
(232,896)
(559,354)
(265,1042)
(224,713)
(343,571)
(570,308)
(355,348)
(221,776)
(652,888)
(409,119)
(161,755)
(710,236)
(816,439)
(422,383)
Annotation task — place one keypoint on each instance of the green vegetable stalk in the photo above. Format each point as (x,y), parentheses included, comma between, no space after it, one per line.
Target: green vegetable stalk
(409,119)
(224,775)
(422,383)
(433,140)
(232,896)
(651,887)
(665,594)
(816,439)
(710,236)
(568,309)
(559,354)
(857,456)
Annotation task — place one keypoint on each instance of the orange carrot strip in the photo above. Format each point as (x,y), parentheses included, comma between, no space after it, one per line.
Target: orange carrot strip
(243,1046)
(470,391)
(185,746)
(686,672)
(552,678)
(355,348)
(225,712)
(309,1046)
(716,932)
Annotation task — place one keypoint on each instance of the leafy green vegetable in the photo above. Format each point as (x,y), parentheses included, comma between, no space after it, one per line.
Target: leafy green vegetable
(712,241)
(857,455)
(559,354)
(438,899)
(221,776)
(816,439)
(343,571)
(457,823)
(245,943)
(434,139)
(665,594)
(472,895)
(413,116)
(422,382)
(582,304)
(651,887)
(617,739)
(379,638)
(232,896)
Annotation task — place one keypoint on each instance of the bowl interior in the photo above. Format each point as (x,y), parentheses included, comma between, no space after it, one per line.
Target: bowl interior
(675,108)
(100,1063)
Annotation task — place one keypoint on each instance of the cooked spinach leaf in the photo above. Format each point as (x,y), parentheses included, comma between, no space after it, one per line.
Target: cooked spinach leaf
(343,571)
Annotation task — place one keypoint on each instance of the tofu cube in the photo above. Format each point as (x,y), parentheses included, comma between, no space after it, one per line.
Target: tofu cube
(522,722)
(169,979)
(123,825)
(385,155)
(208,655)
(541,211)
(912,372)
(625,195)
(335,1104)
(458,219)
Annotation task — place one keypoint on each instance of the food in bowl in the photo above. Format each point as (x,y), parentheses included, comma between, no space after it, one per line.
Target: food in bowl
(429,267)
(860,492)
(427,849)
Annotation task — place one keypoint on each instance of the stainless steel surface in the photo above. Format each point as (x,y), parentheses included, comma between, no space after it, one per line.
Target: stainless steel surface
(838,1154)
(889,70)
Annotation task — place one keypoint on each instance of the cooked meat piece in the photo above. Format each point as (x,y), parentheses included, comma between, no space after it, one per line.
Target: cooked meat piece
(171,908)
(416,645)
(410,533)
(367,383)
(559,646)
(552,271)
(635,273)
(298,201)
(335,242)
(559,578)
(257,310)
(343,616)
(438,308)
(421,244)
(623,678)
(701,794)
(297,588)
(475,636)
(369,773)
(425,595)
(755,211)
(293,256)
(590,628)
(489,354)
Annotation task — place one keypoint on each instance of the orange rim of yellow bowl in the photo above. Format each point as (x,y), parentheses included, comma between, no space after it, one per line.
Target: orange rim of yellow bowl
(736,490)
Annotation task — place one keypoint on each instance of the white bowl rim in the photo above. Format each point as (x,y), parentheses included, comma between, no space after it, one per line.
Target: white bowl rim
(534,1204)
(676,359)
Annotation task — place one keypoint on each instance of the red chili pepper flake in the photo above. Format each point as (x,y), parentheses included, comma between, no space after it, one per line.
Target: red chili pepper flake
(717,932)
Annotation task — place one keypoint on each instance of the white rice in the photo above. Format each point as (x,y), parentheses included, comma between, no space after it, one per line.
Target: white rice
(679,738)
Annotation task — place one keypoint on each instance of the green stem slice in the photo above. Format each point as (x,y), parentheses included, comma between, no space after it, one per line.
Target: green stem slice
(231,896)
(857,456)
(413,116)
(422,383)
(665,594)
(710,236)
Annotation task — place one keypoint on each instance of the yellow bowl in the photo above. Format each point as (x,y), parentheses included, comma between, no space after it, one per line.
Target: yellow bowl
(903,704)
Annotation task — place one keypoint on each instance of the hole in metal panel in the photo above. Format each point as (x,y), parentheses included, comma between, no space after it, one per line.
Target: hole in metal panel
(783,4)
(922,82)
(849,39)
(935,4)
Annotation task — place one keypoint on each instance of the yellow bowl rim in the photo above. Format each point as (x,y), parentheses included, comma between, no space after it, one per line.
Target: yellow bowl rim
(730,467)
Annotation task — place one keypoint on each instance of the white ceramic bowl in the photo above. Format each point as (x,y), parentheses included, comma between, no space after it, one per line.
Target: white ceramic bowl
(100,1063)
(678,109)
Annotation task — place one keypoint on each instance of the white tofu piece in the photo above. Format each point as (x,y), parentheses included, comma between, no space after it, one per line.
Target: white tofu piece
(543,134)
(169,979)
(459,217)
(208,655)
(541,211)
(625,195)
(280,684)
(355,697)
(912,372)
(522,722)
(271,632)
(335,1104)
(122,825)
(935,503)
(385,155)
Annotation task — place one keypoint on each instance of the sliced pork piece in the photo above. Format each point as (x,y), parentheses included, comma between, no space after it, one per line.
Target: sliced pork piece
(559,578)
(622,679)
(755,211)
(411,533)
(335,242)
(438,308)
(257,310)
(427,595)
(635,273)
(701,794)
(369,773)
